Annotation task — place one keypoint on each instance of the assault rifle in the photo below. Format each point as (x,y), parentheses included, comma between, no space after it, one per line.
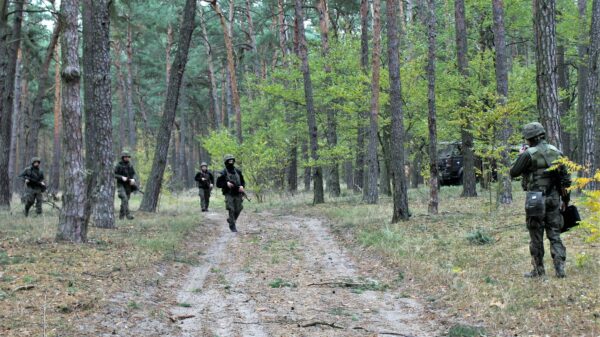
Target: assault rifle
(236,188)
(35,183)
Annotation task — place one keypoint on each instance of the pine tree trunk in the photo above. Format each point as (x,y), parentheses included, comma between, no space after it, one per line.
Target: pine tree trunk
(564,105)
(469,179)
(255,61)
(333,183)
(400,193)
(228,97)
(57,148)
(230,66)
(310,109)
(121,93)
(359,169)
(432,119)
(71,224)
(307,169)
(348,174)
(98,113)
(214,121)
(9,47)
(152,192)
(131,129)
(505,193)
(16,113)
(546,74)
(370,191)
(34,120)
(582,75)
(590,98)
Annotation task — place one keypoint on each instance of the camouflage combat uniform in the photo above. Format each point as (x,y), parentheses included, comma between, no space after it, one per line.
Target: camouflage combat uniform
(233,198)
(124,188)
(34,189)
(533,164)
(205,180)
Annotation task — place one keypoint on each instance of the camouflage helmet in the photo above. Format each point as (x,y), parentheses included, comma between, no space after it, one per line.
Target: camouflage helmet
(228,157)
(203,164)
(533,130)
(34,159)
(125,153)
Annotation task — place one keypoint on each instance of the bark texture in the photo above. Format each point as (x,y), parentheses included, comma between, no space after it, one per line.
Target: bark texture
(71,224)
(9,48)
(432,118)
(359,167)
(370,191)
(231,68)
(590,109)
(399,185)
(98,114)
(317,176)
(582,74)
(546,73)
(152,192)
(57,146)
(214,122)
(468,176)
(505,193)
(333,181)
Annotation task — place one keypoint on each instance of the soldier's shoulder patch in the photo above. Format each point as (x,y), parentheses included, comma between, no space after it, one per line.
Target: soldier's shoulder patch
(532,150)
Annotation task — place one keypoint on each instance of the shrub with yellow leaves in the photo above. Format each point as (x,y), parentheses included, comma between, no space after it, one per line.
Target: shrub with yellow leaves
(591,199)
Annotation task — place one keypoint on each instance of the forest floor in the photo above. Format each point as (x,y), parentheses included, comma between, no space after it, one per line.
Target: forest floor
(338,269)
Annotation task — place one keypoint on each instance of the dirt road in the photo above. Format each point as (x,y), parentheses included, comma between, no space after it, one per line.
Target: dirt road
(279,276)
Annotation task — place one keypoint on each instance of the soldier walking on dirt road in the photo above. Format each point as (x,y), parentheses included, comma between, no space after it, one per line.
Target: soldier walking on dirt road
(231,182)
(205,181)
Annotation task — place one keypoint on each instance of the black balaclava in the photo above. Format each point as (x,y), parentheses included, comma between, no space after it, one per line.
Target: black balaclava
(229,165)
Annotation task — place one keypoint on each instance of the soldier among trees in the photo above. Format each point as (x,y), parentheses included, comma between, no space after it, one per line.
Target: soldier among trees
(204,180)
(33,176)
(126,184)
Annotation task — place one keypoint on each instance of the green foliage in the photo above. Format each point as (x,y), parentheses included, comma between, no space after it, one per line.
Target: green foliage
(280,283)
(461,330)
(480,237)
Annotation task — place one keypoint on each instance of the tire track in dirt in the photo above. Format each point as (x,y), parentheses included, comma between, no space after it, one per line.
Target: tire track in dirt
(287,276)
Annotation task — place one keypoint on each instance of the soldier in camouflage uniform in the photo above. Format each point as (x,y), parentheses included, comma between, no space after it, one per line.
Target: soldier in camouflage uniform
(34,179)
(125,175)
(205,181)
(231,182)
(533,164)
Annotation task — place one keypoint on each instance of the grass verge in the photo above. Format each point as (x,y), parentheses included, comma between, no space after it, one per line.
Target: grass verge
(469,260)
(46,286)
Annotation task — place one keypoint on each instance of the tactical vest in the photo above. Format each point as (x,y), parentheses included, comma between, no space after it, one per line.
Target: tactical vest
(542,157)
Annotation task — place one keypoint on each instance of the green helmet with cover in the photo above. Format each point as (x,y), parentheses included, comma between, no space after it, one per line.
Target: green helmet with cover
(228,157)
(203,164)
(533,130)
(34,159)
(125,153)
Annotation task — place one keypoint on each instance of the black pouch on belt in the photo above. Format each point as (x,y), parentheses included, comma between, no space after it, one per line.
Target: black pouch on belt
(535,204)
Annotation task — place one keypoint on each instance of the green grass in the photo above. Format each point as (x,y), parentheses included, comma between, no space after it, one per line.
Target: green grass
(469,259)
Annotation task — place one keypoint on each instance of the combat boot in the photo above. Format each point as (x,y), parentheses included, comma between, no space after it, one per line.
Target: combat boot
(130,217)
(537,271)
(559,267)
(26,212)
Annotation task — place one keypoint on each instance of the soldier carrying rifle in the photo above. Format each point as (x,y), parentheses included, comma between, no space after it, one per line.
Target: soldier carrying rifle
(34,179)
(231,182)
(125,175)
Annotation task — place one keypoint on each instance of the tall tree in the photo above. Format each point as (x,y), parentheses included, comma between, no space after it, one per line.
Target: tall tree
(333,183)
(33,120)
(150,200)
(371,193)
(57,146)
(231,67)
(505,195)
(462,51)
(310,109)
(546,73)
(131,130)
(71,224)
(9,48)
(359,168)
(432,119)
(98,113)
(590,109)
(582,73)
(211,74)
(400,193)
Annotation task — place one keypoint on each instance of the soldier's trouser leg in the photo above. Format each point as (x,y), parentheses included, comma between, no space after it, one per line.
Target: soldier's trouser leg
(124,196)
(553,222)
(38,202)
(29,200)
(234,206)
(535,225)
(206,198)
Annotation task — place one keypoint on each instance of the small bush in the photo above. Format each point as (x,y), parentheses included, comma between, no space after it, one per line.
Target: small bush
(480,237)
(461,330)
